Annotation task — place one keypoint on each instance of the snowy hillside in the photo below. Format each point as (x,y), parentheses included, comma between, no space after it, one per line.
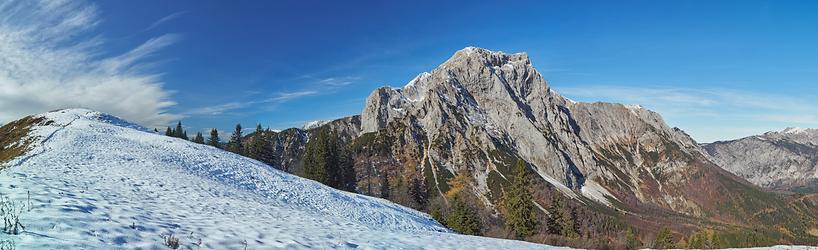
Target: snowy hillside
(99,182)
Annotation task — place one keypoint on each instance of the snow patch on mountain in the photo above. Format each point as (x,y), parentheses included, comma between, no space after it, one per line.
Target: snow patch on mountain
(598,193)
(314,124)
(98,182)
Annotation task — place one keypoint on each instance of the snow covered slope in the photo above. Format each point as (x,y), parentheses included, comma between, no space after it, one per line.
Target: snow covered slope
(98,182)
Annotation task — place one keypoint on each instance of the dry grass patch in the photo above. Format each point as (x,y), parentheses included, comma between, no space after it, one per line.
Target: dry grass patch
(12,144)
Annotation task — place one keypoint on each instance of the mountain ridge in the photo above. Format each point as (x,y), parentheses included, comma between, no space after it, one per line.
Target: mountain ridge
(95,181)
(480,111)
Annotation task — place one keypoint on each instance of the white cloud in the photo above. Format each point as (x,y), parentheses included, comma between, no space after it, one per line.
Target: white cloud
(339,81)
(51,59)
(165,19)
(277,98)
(287,96)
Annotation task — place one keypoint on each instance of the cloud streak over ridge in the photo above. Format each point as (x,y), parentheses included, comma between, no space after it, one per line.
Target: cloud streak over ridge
(50,58)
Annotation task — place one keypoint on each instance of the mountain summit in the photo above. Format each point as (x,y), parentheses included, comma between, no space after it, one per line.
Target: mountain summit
(481,111)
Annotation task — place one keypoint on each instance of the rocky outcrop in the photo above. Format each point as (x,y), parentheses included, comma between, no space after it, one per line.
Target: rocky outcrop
(481,111)
(480,102)
(785,160)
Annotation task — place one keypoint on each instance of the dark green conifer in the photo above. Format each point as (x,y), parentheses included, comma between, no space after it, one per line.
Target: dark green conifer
(463,218)
(235,145)
(214,138)
(664,240)
(518,205)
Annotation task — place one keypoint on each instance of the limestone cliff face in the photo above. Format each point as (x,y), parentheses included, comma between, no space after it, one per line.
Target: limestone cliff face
(480,111)
(480,105)
(785,160)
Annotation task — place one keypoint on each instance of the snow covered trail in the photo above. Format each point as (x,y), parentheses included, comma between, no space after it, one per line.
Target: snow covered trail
(97,182)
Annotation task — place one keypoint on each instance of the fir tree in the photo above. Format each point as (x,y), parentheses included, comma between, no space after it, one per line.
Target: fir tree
(326,161)
(256,148)
(417,191)
(569,222)
(438,216)
(234,145)
(199,138)
(316,158)
(518,205)
(554,215)
(463,218)
(385,185)
(184,135)
(664,239)
(632,243)
(214,138)
(169,132)
(178,132)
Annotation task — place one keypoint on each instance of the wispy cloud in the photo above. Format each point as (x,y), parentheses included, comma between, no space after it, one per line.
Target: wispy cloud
(287,96)
(710,113)
(165,19)
(339,81)
(277,98)
(50,59)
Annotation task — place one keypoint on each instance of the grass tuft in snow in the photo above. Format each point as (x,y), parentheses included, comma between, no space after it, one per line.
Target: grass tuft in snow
(171,241)
(10,211)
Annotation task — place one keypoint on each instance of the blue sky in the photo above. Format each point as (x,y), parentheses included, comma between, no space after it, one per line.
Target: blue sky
(717,69)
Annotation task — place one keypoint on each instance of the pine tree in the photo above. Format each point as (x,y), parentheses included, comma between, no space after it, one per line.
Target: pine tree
(199,138)
(438,216)
(326,161)
(385,185)
(184,135)
(178,132)
(349,180)
(316,158)
(664,240)
(463,218)
(632,243)
(214,138)
(169,132)
(554,215)
(568,222)
(417,191)
(520,213)
(256,148)
(234,145)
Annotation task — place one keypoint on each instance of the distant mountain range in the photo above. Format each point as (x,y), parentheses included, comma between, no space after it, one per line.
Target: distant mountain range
(786,160)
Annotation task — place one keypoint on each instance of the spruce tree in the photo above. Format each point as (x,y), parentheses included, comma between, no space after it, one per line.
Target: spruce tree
(256,148)
(518,205)
(417,191)
(199,138)
(632,243)
(554,215)
(184,135)
(169,132)
(385,185)
(463,218)
(664,240)
(234,145)
(316,158)
(179,131)
(568,223)
(214,138)
(326,161)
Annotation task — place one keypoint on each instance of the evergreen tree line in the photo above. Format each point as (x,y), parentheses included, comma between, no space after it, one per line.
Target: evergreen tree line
(327,161)
(260,146)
